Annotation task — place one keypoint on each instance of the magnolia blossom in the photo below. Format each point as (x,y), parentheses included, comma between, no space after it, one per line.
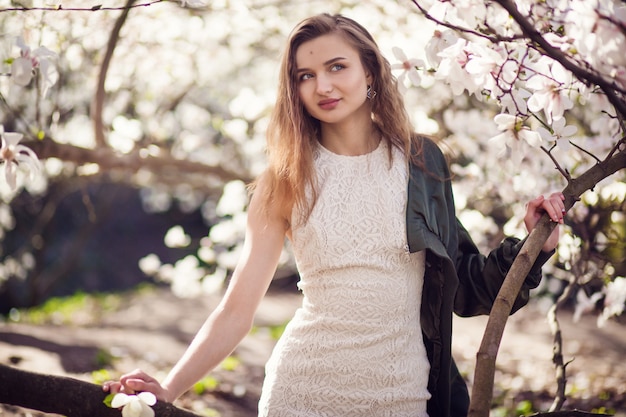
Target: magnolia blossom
(515,101)
(12,155)
(513,135)
(560,133)
(615,299)
(409,69)
(550,88)
(439,42)
(452,68)
(585,303)
(486,65)
(23,67)
(192,3)
(135,405)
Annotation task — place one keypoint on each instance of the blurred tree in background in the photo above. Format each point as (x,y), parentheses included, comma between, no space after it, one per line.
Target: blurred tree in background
(149,116)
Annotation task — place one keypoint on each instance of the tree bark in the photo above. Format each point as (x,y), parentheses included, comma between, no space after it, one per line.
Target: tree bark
(66,396)
(482,391)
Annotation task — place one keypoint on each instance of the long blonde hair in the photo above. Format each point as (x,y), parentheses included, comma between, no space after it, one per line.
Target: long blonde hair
(292,133)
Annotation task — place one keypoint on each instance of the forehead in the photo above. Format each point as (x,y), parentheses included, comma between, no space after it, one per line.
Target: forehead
(324,48)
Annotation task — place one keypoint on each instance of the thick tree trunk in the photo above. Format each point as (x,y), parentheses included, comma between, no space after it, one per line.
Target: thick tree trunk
(66,396)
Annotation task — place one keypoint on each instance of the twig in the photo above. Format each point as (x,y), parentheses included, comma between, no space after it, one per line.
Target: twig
(96,8)
(557,348)
(563,172)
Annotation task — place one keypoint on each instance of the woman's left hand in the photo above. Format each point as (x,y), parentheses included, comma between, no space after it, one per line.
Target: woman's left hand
(554,206)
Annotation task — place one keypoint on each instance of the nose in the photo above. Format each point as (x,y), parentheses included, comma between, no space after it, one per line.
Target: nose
(324,85)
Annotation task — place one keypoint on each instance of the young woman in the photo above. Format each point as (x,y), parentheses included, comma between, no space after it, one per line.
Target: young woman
(383,261)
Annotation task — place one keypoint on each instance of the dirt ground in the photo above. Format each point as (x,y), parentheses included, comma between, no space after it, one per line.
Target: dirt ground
(151,329)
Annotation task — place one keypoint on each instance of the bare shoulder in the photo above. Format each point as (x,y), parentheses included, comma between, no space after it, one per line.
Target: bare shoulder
(263,210)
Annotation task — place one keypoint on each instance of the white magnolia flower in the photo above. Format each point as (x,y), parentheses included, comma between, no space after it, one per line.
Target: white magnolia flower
(560,135)
(486,64)
(452,68)
(135,405)
(13,155)
(585,304)
(513,136)
(22,68)
(515,101)
(550,88)
(439,42)
(615,300)
(409,68)
(192,3)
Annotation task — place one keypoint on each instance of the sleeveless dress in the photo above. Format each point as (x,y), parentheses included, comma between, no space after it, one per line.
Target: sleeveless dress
(355,347)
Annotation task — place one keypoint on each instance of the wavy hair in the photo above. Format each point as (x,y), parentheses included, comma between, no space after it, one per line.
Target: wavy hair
(293,134)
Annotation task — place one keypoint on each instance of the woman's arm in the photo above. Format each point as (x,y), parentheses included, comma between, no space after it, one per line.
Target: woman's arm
(229,323)
(480,277)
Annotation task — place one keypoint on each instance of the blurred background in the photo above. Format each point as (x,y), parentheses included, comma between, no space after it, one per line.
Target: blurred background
(150,122)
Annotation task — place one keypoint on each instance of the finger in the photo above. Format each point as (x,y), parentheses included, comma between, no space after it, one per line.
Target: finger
(558,199)
(112,386)
(535,203)
(555,209)
(136,374)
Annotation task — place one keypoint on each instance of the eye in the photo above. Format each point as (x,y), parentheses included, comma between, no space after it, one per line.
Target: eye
(337,67)
(305,76)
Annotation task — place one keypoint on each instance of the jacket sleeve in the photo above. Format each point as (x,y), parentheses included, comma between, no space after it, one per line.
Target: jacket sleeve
(480,277)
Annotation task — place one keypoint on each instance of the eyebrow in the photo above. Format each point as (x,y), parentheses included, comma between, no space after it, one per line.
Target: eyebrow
(330,61)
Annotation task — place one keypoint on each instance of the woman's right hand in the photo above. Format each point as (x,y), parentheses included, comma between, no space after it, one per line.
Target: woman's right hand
(138,381)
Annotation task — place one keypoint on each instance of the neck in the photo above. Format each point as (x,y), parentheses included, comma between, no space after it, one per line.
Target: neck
(352,140)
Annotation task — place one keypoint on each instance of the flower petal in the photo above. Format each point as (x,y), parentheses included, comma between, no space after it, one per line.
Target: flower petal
(399,54)
(147,397)
(415,78)
(569,130)
(9,174)
(12,138)
(531,137)
(21,71)
(146,411)
(120,400)
(133,408)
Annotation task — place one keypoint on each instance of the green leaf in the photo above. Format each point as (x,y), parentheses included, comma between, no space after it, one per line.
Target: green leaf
(107,400)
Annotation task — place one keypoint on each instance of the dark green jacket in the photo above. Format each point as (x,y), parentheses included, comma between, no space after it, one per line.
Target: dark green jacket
(458,279)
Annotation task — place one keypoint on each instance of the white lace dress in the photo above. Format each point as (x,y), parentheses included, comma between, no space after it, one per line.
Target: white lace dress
(354,348)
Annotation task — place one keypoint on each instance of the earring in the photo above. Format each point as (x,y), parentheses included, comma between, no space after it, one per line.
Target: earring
(370,93)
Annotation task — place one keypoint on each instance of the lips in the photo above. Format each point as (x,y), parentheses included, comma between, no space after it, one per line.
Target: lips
(328,104)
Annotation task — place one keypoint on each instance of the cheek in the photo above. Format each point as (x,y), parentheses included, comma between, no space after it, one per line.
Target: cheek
(305,95)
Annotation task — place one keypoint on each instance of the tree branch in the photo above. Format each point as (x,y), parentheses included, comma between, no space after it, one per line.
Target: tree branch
(60,8)
(98,100)
(163,166)
(557,348)
(587,77)
(66,396)
(484,374)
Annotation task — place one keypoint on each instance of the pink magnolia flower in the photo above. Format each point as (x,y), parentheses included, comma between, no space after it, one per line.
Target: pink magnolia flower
(12,155)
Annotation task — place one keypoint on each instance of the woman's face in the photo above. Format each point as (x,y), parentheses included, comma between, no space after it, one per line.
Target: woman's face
(331,79)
